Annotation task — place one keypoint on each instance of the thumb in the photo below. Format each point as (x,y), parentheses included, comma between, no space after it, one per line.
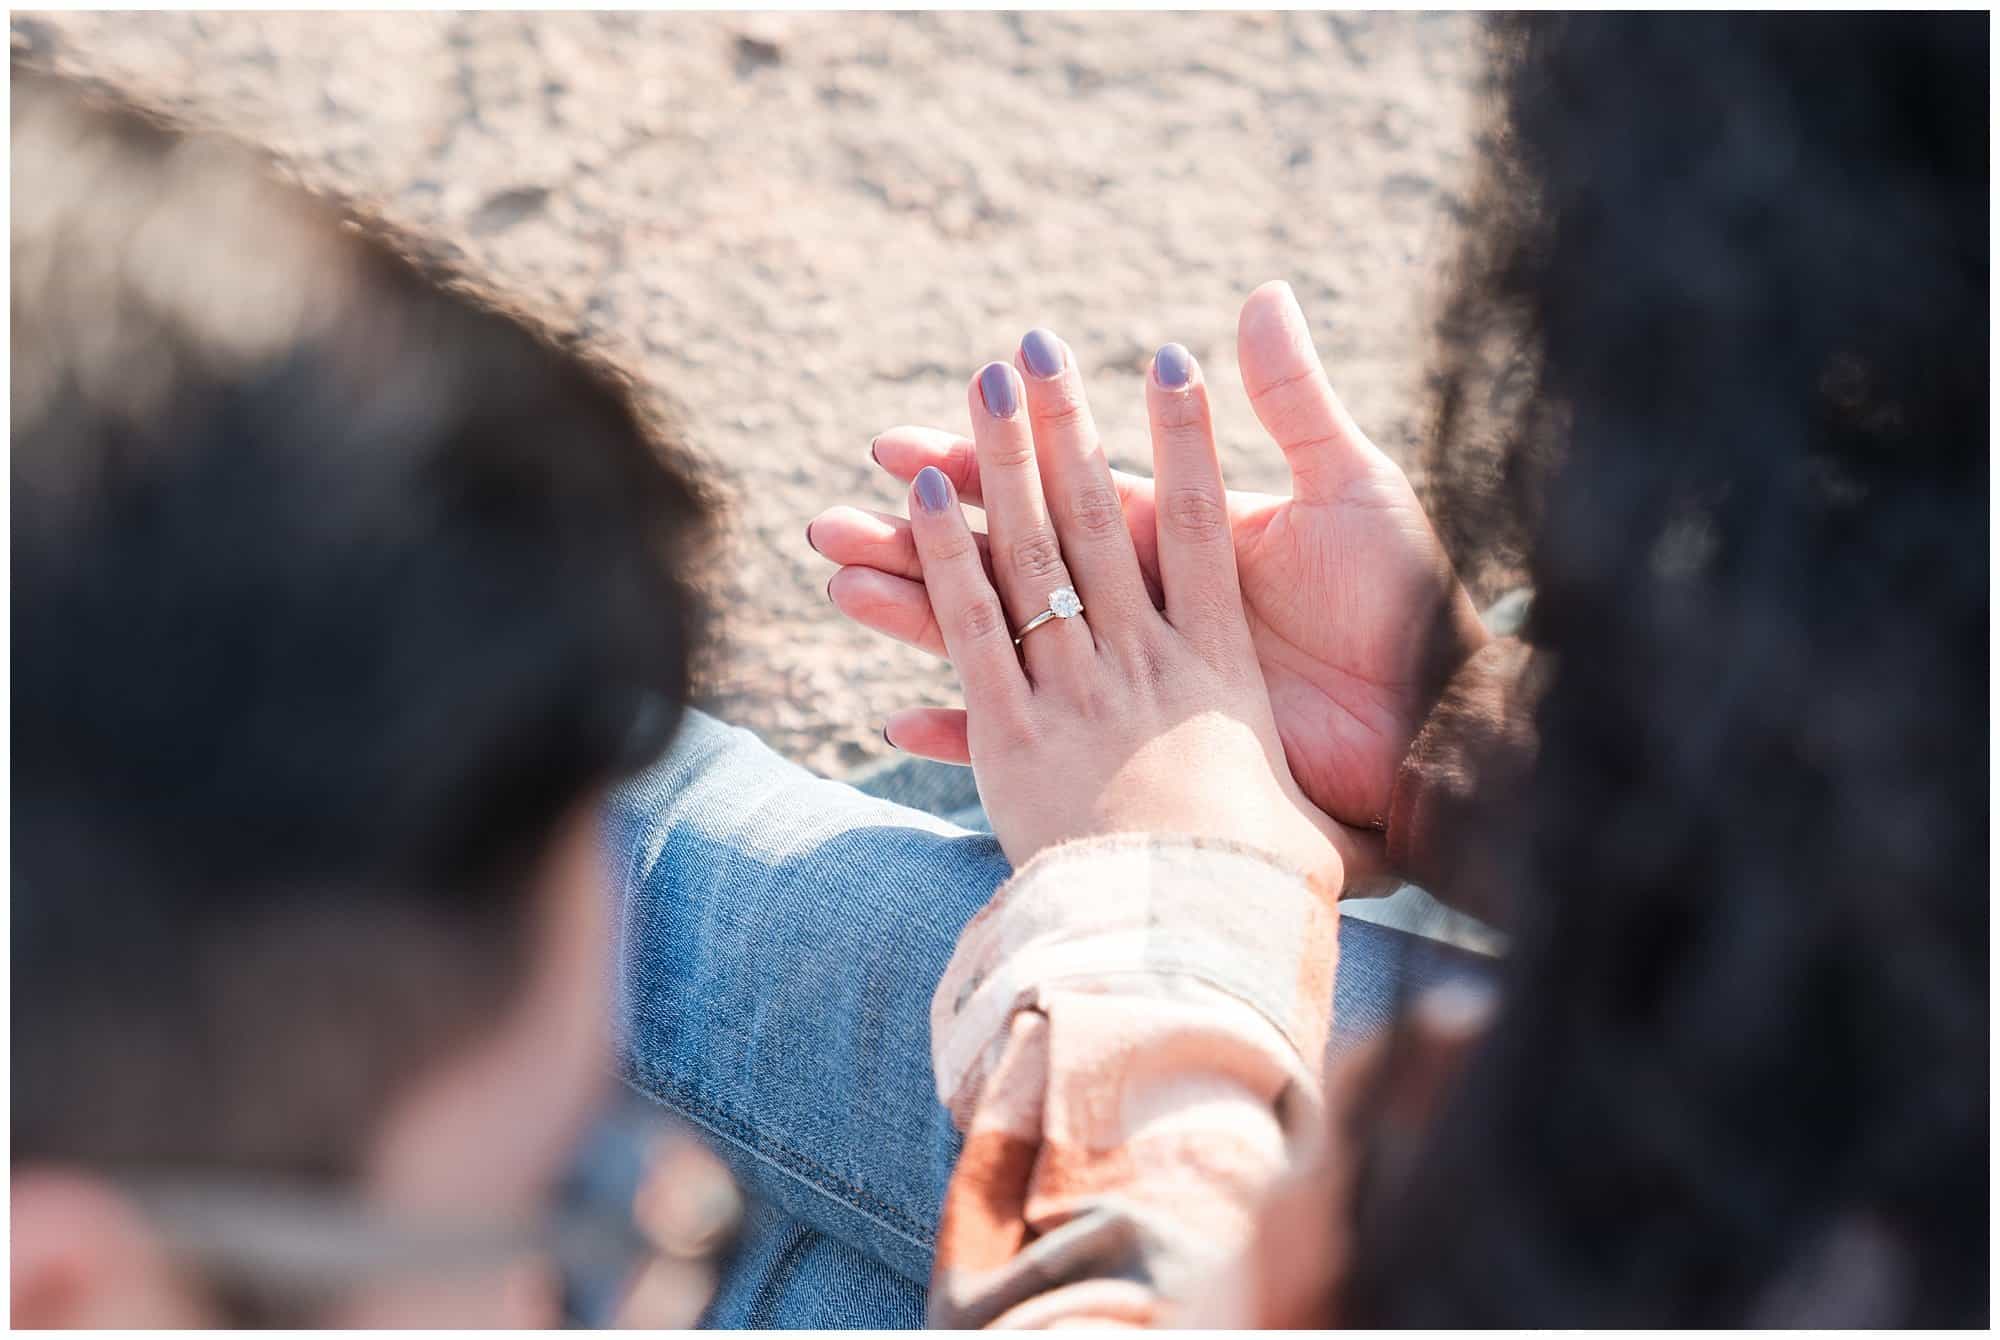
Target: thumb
(1292,397)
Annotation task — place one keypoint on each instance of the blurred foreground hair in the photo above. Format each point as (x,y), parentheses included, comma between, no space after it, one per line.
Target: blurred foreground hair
(1728,297)
(336,588)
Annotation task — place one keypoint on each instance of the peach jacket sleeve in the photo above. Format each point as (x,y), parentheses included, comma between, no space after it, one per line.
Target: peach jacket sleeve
(1130,1037)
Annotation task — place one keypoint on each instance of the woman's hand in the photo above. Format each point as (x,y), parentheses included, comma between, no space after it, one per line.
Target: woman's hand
(1352,605)
(1127,717)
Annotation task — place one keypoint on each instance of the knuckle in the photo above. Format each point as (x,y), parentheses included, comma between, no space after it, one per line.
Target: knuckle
(1015,725)
(1146,662)
(1036,554)
(953,547)
(1183,413)
(1064,411)
(1091,702)
(981,620)
(1288,385)
(1096,511)
(1008,453)
(1300,423)
(1313,442)
(1193,514)
(1105,701)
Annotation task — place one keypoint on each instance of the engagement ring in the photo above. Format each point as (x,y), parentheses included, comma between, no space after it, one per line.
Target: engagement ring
(1063,604)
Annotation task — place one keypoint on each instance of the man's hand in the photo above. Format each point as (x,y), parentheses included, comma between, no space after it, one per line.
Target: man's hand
(1353,607)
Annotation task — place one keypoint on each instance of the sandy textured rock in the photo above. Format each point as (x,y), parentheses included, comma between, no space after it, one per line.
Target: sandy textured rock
(807,228)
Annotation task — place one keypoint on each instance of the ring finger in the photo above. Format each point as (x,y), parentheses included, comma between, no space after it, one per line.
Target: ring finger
(1027,557)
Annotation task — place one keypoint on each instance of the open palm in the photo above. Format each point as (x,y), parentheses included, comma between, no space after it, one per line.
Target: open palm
(1354,609)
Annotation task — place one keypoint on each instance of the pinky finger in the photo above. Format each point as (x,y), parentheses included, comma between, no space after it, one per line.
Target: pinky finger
(936,733)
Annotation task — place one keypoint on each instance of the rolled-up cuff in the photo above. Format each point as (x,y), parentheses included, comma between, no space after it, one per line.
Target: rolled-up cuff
(1137,915)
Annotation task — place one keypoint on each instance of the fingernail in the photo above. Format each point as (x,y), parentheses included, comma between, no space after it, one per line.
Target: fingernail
(933,494)
(1042,352)
(829,588)
(809,538)
(1173,365)
(996,388)
(885,738)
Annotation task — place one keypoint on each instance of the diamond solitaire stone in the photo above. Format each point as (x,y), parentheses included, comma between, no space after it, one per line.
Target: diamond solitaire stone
(1064,604)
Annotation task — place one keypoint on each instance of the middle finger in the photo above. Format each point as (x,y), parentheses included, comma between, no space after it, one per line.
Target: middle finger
(1089,518)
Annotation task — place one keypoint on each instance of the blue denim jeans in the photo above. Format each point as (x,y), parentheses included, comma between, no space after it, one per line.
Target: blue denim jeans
(779,939)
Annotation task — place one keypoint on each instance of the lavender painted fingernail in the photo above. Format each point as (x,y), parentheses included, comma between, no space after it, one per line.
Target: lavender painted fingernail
(996,388)
(1042,352)
(1173,365)
(933,494)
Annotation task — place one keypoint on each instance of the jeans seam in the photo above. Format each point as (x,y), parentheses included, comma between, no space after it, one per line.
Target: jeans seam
(791,1162)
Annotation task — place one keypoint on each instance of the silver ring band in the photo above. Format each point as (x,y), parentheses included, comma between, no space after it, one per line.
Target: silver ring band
(1063,604)
(1034,623)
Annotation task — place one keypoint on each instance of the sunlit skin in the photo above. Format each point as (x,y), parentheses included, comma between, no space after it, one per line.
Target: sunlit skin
(1113,702)
(1341,582)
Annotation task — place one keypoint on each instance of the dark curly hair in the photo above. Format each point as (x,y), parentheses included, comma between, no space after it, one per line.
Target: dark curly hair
(1728,300)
